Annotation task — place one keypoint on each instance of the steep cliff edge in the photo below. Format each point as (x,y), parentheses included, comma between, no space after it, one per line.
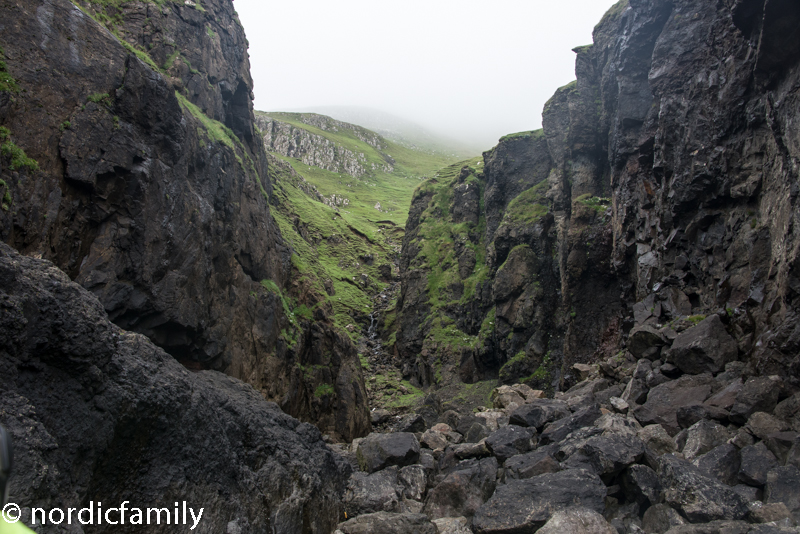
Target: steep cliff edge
(152,188)
(663,186)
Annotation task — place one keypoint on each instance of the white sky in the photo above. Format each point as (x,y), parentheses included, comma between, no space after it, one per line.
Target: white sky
(474,70)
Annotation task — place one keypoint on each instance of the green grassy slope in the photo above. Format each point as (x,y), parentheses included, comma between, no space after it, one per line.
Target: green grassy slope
(343,253)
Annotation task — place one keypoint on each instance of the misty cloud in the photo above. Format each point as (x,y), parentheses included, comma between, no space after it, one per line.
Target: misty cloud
(470,70)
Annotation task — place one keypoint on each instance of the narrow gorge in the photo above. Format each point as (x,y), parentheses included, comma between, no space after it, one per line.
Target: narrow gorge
(303,326)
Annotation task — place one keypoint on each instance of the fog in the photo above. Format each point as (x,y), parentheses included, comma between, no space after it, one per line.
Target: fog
(470,70)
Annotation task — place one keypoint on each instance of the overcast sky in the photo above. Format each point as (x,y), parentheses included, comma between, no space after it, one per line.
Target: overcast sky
(471,69)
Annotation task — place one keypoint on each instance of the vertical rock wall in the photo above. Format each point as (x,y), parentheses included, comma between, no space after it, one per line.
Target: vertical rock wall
(671,191)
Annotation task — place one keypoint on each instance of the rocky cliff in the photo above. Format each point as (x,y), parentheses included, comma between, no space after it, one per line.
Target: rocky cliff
(662,186)
(315,149)
(149,187)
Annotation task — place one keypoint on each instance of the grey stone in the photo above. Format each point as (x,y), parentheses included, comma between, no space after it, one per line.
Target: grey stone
(641,485)
(436,441)
(539,412)
(783,485)
(526,505)
(659,518)
(689,415)
(756,462)
(463,490)
(379,416)
(476,432)
(388,523)
(664,401)
(453,525)
(464,451)
(376,492)
(577,521)
(762,424)
(757,395)
(378,451)
(531,464)
(414,480)
(511,440)
(702,437)
(789,410)
(697,497)
(706,348)
(721,463)
(411,423)
(645,342)
(657,440)
(725,398)
(558,430)
(780,444)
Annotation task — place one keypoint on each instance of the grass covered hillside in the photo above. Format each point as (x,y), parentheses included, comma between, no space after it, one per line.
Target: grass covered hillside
(342,195)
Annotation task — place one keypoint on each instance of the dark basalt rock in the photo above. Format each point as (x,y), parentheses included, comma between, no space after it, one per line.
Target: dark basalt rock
(721,463)
(664,400)
(783,485)
(510,441)
(756,463)
(697,497)
(758,394)
(641,485)
(526,505)
(706,348)
(529,465)
(558,430)
(389,523)
(378,451)
(100,413)
(375,492)
(463,490)
(539,412)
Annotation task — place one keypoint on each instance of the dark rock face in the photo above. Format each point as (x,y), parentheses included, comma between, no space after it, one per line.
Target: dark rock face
(698,498)
(464,489)
(526,505)
(705,348)
(378,451)
(389,523)
(157,210)
(103,414)
(668,195)
(539,413)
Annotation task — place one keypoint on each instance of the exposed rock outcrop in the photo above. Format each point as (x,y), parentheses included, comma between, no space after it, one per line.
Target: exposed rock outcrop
(152,192)
(661,190)
(101,414)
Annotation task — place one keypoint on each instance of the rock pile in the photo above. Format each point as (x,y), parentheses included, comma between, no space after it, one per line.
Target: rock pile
(681,440)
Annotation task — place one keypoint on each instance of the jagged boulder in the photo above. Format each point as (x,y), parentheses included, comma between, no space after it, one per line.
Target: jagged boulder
(526,505)
(375,492)
(529,465)
(577,521)
(665,400)
(539,412)
(759,394)
(389,523)
(756,462)
(697,497)
(378,451)
(510,441)
(558,430)
(706,348)
(468,485)
(99,413)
